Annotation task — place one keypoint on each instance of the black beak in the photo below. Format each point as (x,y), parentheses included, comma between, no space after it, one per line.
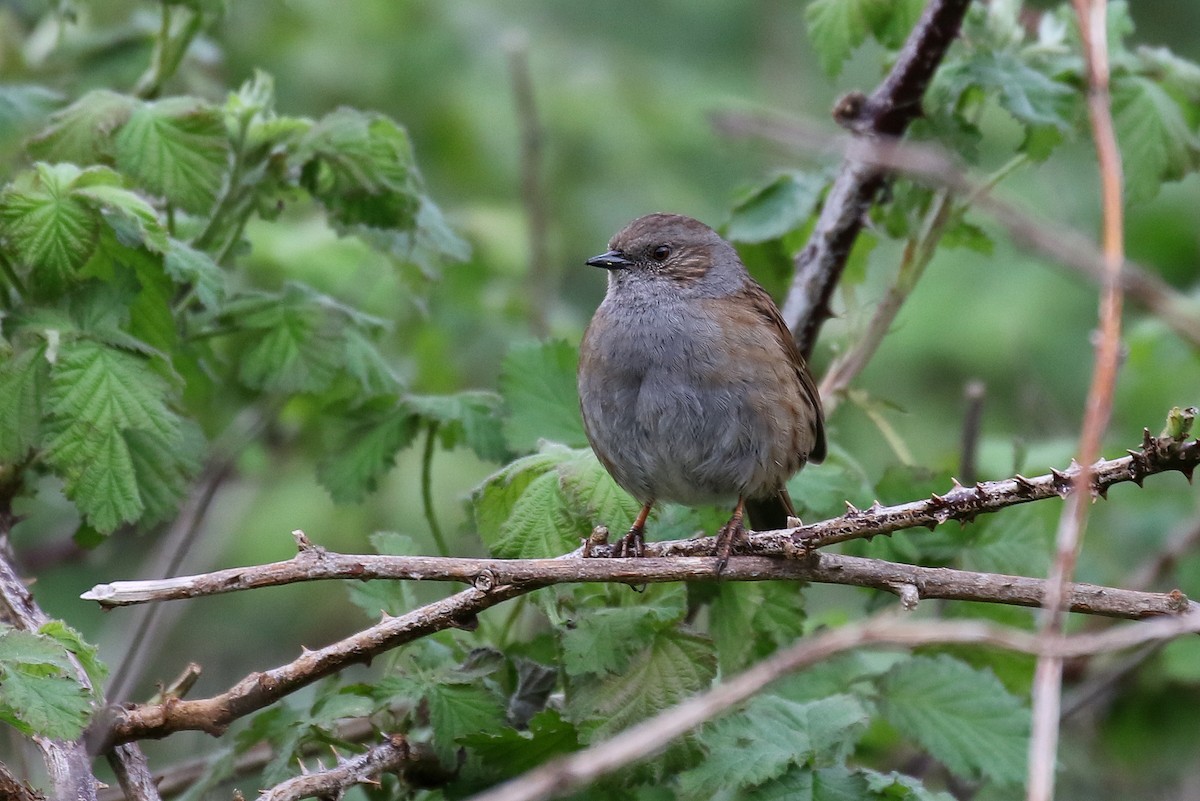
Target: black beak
(612,260)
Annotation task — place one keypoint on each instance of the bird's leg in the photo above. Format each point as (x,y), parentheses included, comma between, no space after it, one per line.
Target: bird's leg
(633,543)
(731,534)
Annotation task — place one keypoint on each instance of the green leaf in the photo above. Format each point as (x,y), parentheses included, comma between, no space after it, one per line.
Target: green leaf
(133,219)
(23,380)
(456,710)
(963,716)
(1157,143)
(592,494)
(900,787)
(771,735)
(540,525)
(1032,97)
(837,27)
(190,267)
(802,783)
(783,204)
(98,395)
(82,132)
(365,452)
(537,381)
(38,691)
(1018,542)
(359,165)
(87,654)
(293,343)
(51,231)
(363,361)
(391,597)
(603,640)
(466,418)
(513,752)
(163,468)
(494,499)
(675,666)
(176,148)
(751,620)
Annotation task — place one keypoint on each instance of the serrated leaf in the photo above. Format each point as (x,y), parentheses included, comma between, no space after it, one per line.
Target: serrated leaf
(163,469)
(963,716)
(603,640)
(293,347)
(365,453)
(23,381)
(837,27)
(783,204)
(675,666)
(537,381)
(513,752)
(1016,543)
(493,500)
(456,710)
(1031,96)
(195,268)
(51,231)
(82,132)
(38,693)
(900,787)
(1157,144)
(176,148)
(366,365)
(98,394)
(593,495)
(540,525)
(771,735)
(359,166)
(87,654)
(392,597)
(468,418)
(131,218)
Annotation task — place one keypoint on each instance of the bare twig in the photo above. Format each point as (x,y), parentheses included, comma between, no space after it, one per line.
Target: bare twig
(386,757)
(1047,680)
(541,279)
(929,164)
(13,789)
(894,104)
(133,773)
(566,774)
(825,568)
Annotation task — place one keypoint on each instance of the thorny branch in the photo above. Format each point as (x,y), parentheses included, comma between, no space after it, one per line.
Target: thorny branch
(388,756)
(886,112)
(495,581)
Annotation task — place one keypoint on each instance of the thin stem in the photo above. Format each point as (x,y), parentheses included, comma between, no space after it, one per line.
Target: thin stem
(427,488)
(1047,682)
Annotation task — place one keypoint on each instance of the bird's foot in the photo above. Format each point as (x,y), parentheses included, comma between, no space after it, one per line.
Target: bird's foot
(632,544)
(731,536)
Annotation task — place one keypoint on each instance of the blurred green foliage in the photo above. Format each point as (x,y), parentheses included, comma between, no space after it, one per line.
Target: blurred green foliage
(290,236)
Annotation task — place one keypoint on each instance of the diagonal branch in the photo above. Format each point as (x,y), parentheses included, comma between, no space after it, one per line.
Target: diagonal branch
(639,742)
(386,757)
(887,112)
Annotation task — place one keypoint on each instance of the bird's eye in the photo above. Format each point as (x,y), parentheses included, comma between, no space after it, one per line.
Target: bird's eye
(660,253)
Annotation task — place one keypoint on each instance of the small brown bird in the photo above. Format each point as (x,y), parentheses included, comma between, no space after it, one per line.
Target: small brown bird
(691,386)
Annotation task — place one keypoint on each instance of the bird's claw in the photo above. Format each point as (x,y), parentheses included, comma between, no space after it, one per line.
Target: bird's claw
(633,544)
(731,535)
